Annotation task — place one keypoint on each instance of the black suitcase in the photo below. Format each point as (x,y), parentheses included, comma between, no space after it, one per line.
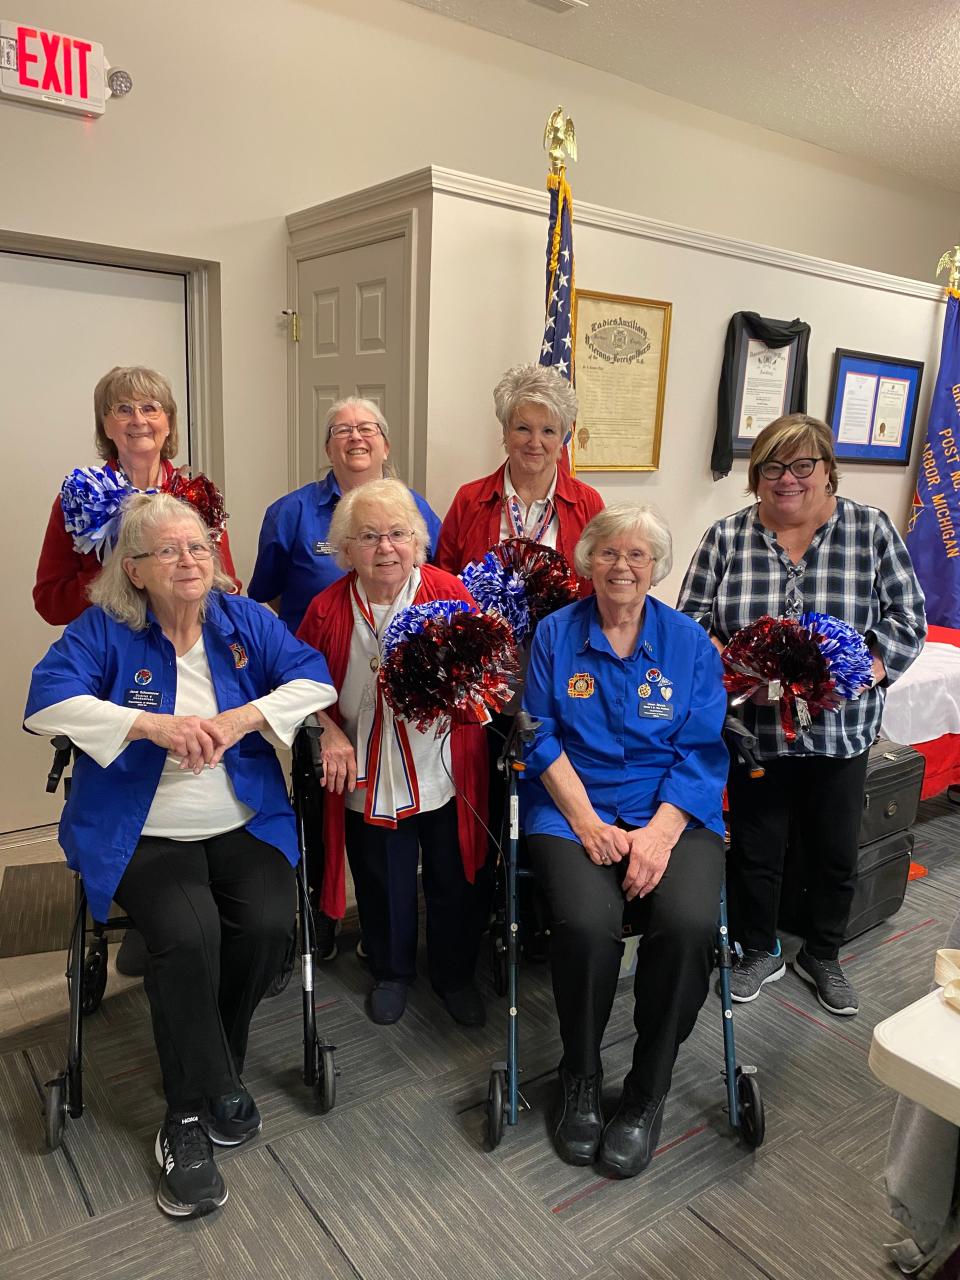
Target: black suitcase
(882,868)
(892,793)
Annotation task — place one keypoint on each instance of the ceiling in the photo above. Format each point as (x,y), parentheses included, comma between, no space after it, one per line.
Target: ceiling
(875,79)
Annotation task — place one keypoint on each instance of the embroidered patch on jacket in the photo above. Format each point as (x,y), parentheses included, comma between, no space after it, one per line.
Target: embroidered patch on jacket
(143,676)
(240,658)
(580,685)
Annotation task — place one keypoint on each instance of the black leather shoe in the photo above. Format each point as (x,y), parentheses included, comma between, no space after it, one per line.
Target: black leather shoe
(631,1137)
(386,1002)
(578,1120)
(465,1006)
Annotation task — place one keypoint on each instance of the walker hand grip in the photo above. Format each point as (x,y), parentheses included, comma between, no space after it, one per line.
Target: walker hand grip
(62,747)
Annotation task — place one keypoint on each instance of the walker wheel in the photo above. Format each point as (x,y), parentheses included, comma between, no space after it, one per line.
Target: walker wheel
(496,1107)
(325,1077)
(498,959)
(281,979)
(94,982)
(55,1110)
(750,1110)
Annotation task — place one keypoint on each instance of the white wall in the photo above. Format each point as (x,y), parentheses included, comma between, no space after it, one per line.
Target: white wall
(341,95)
(503,302)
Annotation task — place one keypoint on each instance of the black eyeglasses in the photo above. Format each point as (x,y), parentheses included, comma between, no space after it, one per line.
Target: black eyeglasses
(799,467)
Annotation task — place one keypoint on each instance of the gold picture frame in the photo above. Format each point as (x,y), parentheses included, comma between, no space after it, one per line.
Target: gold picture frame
(621,349)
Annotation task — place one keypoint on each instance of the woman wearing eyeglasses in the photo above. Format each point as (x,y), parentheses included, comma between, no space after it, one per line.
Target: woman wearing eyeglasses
(295,557)
(135,418)
(621,799)
(175,692)
(800,548)
(296,561)
(414,792)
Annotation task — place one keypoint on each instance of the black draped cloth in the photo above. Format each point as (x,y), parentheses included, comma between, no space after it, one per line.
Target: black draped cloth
(775,333)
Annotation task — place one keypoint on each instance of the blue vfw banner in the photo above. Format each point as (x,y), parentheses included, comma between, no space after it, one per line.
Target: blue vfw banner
(933,534)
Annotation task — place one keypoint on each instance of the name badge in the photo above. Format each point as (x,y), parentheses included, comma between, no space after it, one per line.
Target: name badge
(142,699)
(322,548)
(655,711)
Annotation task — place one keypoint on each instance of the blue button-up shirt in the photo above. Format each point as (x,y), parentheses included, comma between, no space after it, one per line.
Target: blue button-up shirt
(294,559)
(639,731)
(250,653)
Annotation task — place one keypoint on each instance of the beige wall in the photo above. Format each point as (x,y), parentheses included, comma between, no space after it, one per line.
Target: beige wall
(340,95)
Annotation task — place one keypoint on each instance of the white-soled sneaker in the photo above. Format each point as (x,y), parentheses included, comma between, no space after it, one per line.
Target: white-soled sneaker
(834,991)
(752,971)
(190,1182)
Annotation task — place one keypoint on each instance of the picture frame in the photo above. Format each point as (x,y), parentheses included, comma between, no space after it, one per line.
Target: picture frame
(764,385)
(621,350)
(872,409)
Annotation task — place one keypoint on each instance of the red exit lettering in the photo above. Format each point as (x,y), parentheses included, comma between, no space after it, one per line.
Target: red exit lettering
(56,58)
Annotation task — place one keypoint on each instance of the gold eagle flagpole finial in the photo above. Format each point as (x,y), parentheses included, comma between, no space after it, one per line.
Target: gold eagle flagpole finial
(559,139)
(951,259)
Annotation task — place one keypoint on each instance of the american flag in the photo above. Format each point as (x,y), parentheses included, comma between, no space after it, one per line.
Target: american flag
(558,332)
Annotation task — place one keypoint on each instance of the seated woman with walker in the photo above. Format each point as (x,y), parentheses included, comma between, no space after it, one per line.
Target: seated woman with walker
(173,691)
(622,808)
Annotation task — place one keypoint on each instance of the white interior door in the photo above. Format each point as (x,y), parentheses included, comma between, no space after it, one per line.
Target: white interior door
(352,308)
(62,326)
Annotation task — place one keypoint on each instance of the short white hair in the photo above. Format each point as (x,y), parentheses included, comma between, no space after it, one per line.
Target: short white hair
(388,495)
(613,522)
(535,384)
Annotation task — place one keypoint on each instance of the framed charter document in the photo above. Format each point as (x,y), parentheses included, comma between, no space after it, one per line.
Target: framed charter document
(621,364)
(765,378)
(873,407)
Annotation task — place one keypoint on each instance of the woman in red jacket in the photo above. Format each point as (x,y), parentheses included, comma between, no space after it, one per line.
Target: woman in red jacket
(531,495)
(412,793)
(136,435)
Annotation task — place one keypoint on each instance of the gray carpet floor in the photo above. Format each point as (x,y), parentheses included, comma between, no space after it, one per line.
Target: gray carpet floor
(396,1181)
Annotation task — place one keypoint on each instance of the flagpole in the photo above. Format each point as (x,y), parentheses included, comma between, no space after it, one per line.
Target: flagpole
(559,336)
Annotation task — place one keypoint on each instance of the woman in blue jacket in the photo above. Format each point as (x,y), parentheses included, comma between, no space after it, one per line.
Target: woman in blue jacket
(622,810)
(174,691)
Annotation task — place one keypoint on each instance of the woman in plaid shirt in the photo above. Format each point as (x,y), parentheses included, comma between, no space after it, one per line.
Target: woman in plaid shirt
(801,547)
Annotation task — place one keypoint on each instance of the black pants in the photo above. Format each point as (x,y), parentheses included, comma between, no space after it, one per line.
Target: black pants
(216,916)
(675,953)
(816,802)
(384,866)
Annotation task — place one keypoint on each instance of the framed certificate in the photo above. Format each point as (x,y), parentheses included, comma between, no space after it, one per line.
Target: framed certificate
(873,407)
(764,387)
(621,367)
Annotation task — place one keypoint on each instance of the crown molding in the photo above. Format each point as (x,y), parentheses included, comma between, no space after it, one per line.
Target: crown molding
(451,182)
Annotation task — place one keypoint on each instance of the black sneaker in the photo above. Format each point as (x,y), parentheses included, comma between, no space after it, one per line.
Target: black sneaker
(325,930)
(578,1121)
(190,1183)
(834,992)
(753,970)
(232,1119)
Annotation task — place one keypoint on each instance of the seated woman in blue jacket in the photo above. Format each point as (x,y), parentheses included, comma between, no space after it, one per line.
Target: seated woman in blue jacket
(173,691)
(622,810)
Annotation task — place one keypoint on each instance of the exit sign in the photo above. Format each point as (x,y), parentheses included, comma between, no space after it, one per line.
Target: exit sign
(51,69)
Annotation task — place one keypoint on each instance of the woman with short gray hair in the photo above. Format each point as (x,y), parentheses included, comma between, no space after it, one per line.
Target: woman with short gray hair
(622,810)
(531,495)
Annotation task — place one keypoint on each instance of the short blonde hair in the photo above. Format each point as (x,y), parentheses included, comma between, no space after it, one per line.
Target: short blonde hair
(785,436)
(132,383)
(535,384)
(142,513)
(384,495)
(613,522)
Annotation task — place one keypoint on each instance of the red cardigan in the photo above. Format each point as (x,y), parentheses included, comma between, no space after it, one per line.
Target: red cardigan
(63,575)
(328,626)
(472,525)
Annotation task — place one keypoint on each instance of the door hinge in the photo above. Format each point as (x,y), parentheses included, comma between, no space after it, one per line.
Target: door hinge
(294,319)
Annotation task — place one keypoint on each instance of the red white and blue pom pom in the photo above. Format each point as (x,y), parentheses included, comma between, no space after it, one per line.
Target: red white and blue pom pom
(443,661)
(498,588)
(91,498)
(846,652)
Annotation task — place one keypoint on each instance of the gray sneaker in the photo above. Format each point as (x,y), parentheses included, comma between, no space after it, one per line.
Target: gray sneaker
(834,992)
(753,970)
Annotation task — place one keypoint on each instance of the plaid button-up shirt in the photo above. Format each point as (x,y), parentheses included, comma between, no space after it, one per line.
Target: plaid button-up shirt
(856,568)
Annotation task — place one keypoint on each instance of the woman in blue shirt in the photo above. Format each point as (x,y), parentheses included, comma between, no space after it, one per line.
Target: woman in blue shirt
(175,693)
(622,811)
